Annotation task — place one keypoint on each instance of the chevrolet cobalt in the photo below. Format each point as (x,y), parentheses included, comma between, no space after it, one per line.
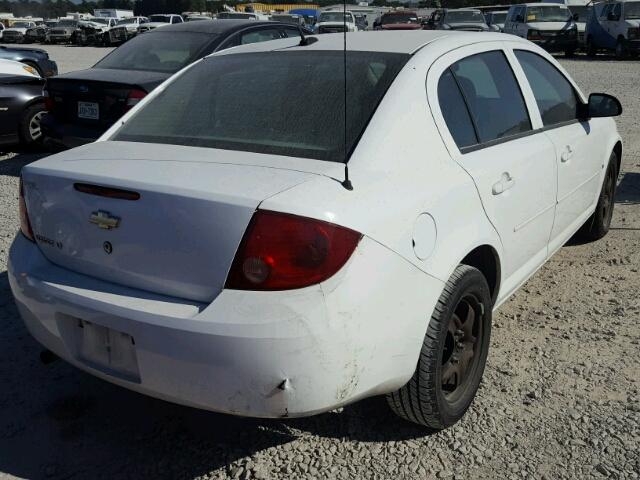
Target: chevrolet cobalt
(260,237)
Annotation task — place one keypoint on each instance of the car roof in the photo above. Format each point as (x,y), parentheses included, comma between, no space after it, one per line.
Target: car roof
(401,41)
(213,26)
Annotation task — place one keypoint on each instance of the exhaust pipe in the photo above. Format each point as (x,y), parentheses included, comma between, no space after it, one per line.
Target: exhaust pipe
(47,357)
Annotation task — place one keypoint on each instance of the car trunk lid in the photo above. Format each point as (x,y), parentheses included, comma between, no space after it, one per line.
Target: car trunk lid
(178,238)
(97,97)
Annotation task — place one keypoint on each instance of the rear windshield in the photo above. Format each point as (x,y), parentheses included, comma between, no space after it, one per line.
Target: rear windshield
(499,17)
(632,10)
(160,18)
(548,14)
(465,16)
(335,17)
(581,10)
(157,52)
(399,18)
(282,103)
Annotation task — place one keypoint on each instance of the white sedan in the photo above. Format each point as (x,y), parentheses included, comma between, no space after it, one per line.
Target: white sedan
(208,249)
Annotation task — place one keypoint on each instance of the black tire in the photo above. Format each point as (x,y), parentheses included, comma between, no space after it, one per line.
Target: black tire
(29,135)
(590,48)
(621,49)
(427,399)
(599,223)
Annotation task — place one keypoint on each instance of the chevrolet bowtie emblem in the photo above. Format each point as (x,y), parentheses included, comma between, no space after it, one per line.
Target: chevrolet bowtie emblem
(104,220)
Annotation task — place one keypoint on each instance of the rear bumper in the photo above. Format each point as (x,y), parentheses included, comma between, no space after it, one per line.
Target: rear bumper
(260,354)
(67,135)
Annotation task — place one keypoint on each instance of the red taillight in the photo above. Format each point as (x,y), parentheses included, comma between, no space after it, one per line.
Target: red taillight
(25,224)
(134,97)
(48,101)
(283,252)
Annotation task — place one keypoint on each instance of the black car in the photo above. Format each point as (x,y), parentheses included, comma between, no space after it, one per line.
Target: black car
(84,104)
(34,57)
(21,109)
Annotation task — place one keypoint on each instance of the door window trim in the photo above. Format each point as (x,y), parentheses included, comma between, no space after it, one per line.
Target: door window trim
(496,141)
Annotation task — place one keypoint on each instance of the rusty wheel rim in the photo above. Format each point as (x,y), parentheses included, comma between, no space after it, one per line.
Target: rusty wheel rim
(461,353)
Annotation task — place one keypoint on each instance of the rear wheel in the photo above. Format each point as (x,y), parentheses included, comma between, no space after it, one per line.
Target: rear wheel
(453,355)
(621,49)
(599,223)
(30,132)
(591,48)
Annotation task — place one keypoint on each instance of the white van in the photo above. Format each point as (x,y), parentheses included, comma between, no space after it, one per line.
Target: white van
(580,10)
(549,25)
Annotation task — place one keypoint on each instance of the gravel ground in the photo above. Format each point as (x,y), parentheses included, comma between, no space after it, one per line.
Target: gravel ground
(560,396)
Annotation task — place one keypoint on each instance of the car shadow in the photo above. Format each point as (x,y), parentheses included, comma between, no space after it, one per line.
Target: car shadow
(59,422)
(628,190)
(12,165)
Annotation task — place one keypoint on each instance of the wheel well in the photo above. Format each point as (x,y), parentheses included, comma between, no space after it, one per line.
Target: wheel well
(485,259)
(617,149)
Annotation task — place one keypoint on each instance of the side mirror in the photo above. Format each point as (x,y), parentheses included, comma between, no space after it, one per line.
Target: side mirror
(601,105)
(612,16)
(519,18)
(575,17)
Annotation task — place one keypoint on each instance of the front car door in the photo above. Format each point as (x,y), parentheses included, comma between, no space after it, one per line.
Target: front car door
(484,120)
(579,148)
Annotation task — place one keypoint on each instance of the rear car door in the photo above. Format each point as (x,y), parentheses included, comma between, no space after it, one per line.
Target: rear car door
(579,151)
(483,119)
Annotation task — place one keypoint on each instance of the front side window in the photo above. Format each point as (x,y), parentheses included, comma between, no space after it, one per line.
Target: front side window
(492,95)
(554,95)
(617,10)
(290,103)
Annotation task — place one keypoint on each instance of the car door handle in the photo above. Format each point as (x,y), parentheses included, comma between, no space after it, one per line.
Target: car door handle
(504,184)
(566,155)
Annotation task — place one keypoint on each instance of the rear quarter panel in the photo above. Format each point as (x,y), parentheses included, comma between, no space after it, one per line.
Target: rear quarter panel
(399,170)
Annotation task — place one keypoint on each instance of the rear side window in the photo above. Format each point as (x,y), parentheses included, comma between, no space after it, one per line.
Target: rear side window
(554,95)
(261,35)
(282,103)
(455,111)
(492,96)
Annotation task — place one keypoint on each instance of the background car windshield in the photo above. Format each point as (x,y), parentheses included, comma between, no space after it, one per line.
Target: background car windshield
(464,16)
(127,21)
(160,18)
(104,21)
(399,18)
(581,10)
(22,25)
(335,17)
(499,17)
(548,14)
(157,52)
(67,23)
(204,106)
(632,10)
